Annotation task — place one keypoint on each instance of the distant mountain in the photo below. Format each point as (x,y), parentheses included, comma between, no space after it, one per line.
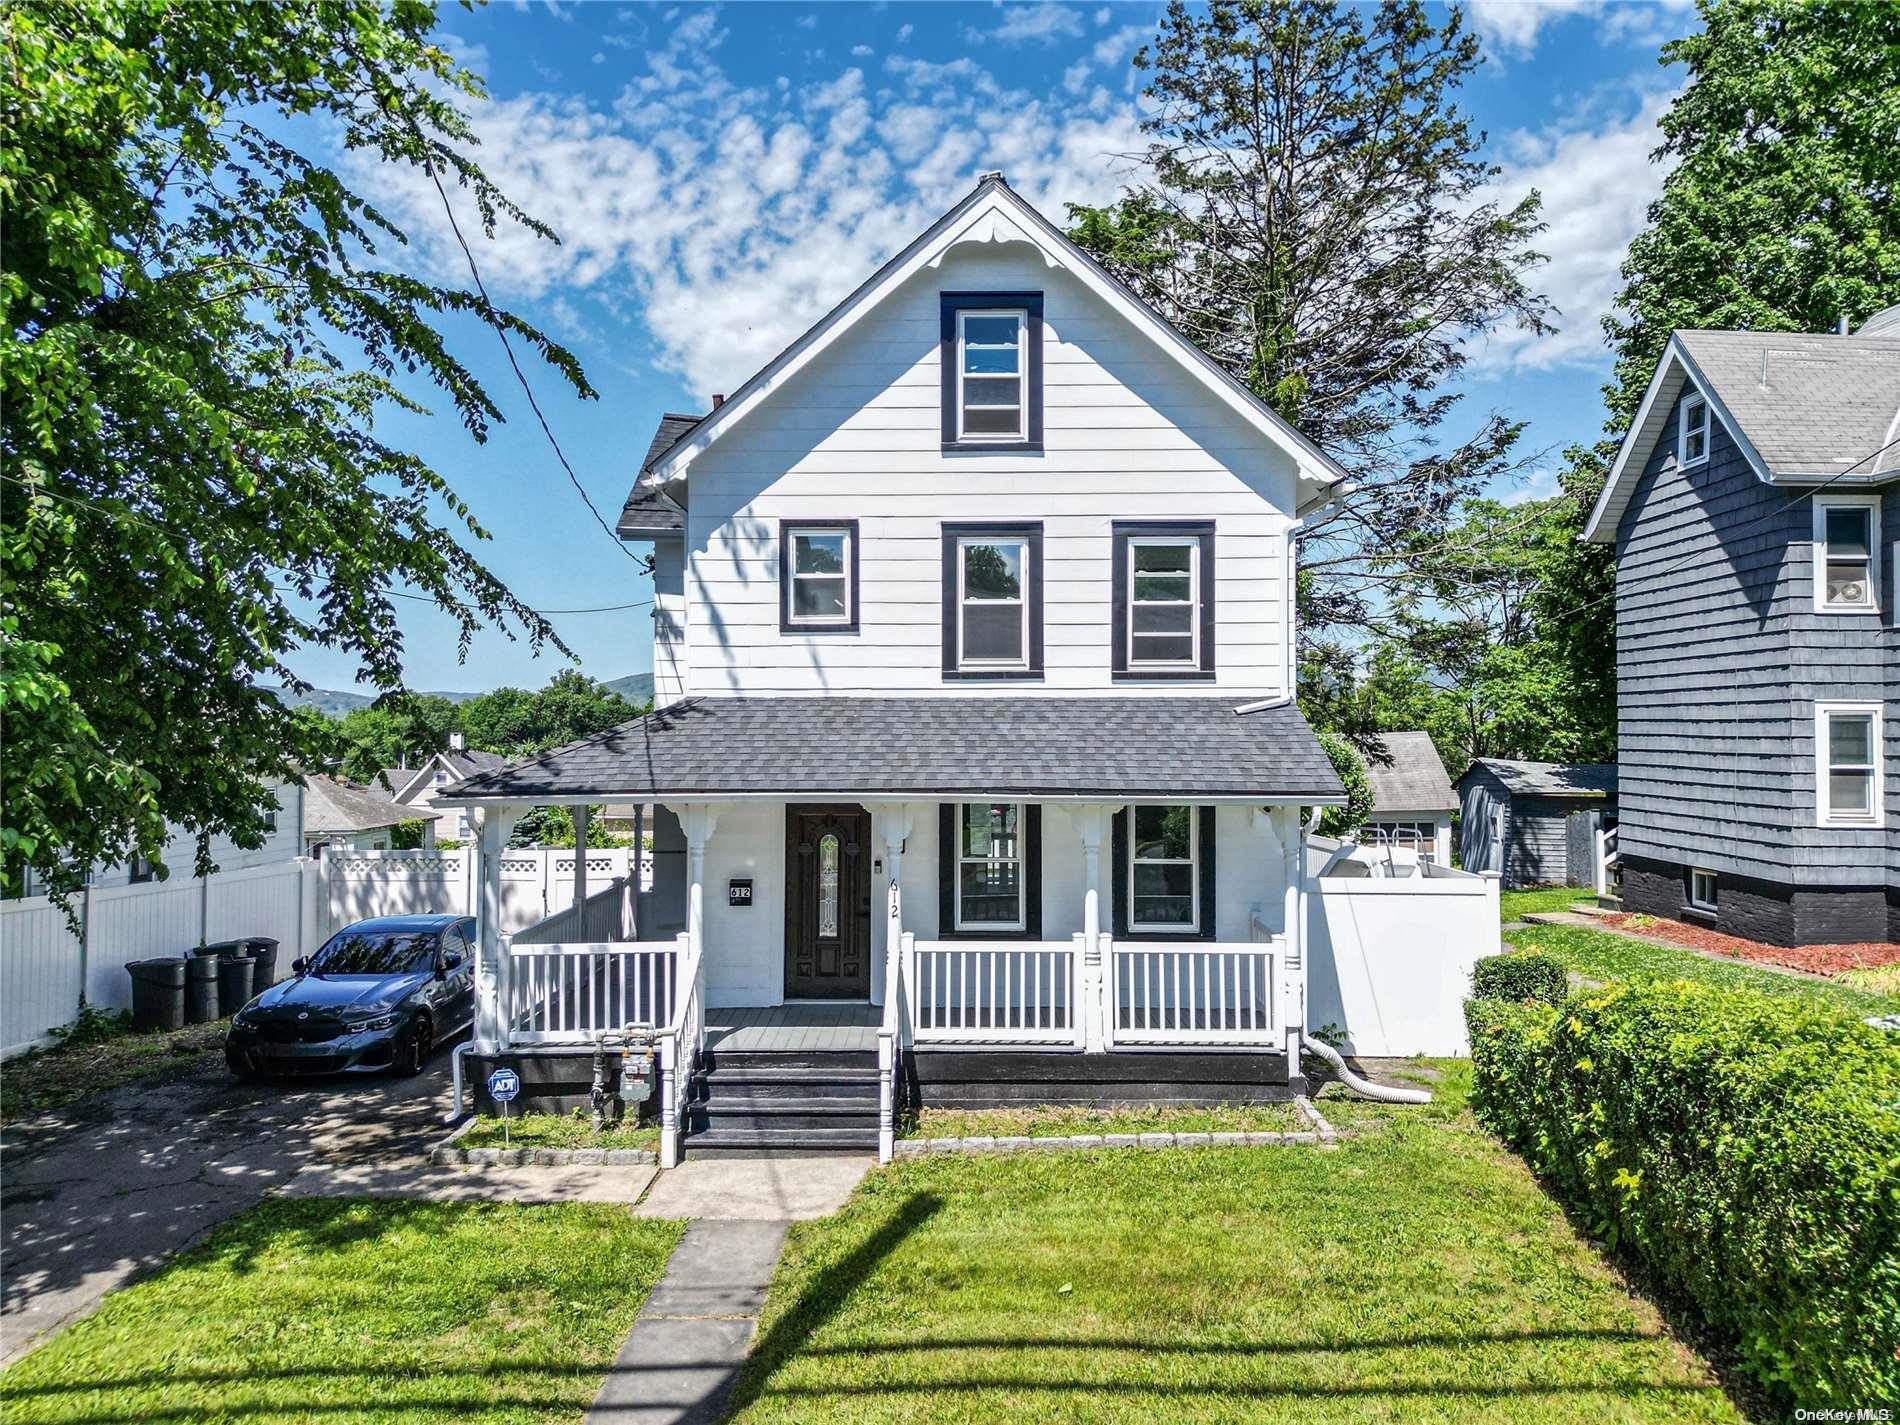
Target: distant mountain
(636,688)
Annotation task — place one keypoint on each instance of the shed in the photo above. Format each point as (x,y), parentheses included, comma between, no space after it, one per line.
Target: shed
(1412,798)
(1517,818)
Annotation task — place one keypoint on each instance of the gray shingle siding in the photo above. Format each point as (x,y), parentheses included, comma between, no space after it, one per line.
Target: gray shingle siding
(1720,659)
(1535,842)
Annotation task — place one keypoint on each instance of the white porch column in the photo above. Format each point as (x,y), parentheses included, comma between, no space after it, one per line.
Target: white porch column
(1091,821)
(491,967)
(697,822)
(1292,974)
(895,824)
(580,814)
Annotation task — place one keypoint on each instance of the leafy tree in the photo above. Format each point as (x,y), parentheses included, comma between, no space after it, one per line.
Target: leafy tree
(1316,221)
(1350,764)
(400,730)
(202,323)
(515,723)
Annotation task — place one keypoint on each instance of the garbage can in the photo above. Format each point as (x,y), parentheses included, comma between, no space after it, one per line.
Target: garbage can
(264,953)
(201,989)
(234,984)
(218,949)
(158,992)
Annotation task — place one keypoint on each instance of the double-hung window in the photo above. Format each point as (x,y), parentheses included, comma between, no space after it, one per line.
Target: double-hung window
(1847,554)
(1692,434)
(1164,600)
(989,870)
(1164,859)
(992,601)
(818,575)
(1848,772)
(991,350)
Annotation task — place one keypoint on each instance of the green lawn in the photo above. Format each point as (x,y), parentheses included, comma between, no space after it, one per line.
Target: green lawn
(1515,904)
(1060,1121)
(559,1130)
(350,1312)
(1601,955)
(1416,1274)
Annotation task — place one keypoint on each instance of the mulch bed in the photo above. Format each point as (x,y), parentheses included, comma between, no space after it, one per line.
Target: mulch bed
(1815,959)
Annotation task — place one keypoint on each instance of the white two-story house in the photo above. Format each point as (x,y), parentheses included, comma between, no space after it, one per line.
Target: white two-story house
(973,735)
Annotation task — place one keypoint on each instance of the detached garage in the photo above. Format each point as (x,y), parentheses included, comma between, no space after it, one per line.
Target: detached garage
(1516,819)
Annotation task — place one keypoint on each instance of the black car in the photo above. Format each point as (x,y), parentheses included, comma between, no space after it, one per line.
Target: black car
(380,994)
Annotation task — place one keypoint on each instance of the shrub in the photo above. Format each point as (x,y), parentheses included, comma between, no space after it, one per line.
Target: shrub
(1742,1150)
(1519,978)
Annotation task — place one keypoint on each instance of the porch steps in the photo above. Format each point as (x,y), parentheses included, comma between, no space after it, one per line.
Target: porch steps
(797,1101)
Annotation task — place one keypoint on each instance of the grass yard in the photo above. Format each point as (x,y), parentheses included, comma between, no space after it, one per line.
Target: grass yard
(1543,900)
(46,1079)
(1416,1274)
(1060,1121)
(351,1312)
(1600,955)
(559,1130)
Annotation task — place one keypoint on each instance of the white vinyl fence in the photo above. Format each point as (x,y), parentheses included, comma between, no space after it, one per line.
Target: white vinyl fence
(45,966)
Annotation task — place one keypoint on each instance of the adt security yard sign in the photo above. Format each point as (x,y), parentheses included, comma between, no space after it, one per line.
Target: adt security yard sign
(503,1085)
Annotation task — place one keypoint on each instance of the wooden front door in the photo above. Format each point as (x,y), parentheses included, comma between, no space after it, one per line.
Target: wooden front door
(827,902)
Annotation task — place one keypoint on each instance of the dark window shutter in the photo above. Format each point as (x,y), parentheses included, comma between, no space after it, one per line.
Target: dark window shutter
(1118,870)
(946,870)
(1032,873)
(1205,930)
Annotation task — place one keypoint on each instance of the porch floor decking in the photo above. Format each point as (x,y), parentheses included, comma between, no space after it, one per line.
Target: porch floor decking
(794,1028)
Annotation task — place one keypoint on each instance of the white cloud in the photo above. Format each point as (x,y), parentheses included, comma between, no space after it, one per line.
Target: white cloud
(1032,24)
(904,32)
(1512,27)
(1539,484)
(1597,184)
(1116,48)
(724,218)
(862,51)
(806,22)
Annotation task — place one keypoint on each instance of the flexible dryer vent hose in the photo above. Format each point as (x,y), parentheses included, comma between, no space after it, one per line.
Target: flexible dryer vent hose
(1365,1088)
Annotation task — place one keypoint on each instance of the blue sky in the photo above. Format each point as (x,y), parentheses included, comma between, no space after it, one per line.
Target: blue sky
(721,175)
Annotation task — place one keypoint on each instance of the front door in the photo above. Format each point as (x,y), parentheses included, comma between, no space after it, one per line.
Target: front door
(827,902)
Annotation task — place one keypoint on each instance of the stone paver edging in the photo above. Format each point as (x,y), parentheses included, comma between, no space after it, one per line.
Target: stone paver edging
(450,1154)
(1322,1134)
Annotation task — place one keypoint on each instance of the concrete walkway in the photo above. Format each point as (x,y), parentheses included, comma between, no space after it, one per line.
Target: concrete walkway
(680,1362)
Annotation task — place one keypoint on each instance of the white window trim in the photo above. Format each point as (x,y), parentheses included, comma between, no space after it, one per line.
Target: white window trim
(1696,399)
(1696,902)
(1822,504)
(1824,812)
(1021,433)
(1193,927)
(964,661)
(1020,860)
(792,616)
(1192,543)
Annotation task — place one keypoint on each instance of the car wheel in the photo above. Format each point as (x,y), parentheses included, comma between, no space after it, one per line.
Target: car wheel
(412,1050)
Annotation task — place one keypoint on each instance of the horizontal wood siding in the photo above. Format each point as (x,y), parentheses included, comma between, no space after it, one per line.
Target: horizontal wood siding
(1536,841)
(1128,435)
(1720,657)
(670,668)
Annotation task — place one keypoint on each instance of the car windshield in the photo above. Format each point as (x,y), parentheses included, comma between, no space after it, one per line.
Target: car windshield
(375,952)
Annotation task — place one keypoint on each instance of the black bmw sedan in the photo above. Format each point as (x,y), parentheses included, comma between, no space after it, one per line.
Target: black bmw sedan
(380,994)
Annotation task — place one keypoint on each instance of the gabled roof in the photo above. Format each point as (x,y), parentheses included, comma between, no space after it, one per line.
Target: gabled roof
(649,509)
(992,213)
(1411,778)
(927,748)
(1548,779)
(332,806)
(1803,409)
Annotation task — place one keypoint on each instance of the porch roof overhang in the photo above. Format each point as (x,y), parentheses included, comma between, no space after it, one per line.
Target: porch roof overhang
(1040,748)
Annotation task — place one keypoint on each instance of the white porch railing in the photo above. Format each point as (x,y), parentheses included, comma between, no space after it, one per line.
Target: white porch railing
(608,914)
(1202,993)
(995,991)
(681,1044)
(566,994)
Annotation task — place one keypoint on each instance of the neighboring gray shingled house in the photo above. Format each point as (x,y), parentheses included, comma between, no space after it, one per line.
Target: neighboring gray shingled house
(1412,798)
(1754,506)
(1516,818)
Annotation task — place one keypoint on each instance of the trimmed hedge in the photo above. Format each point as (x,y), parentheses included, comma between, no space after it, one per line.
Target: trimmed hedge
(1742,1150)
(1520,977)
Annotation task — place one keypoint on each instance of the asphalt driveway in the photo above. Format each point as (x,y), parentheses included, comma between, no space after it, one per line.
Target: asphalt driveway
(104,1189)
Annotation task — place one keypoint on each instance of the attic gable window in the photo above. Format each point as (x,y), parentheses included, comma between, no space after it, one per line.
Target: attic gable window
(1847,554)
(1692,436)
(991,353)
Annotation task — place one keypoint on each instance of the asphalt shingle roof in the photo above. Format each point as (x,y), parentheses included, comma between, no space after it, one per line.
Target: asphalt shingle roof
(1811,405)
(647,507)
(330,805)
(1411,778)
(930,746)
(1550,779)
